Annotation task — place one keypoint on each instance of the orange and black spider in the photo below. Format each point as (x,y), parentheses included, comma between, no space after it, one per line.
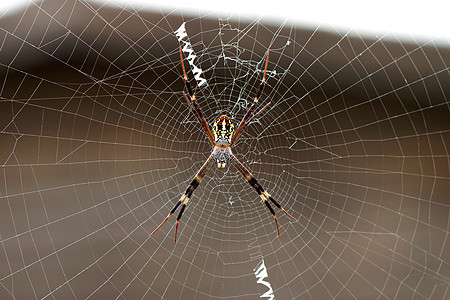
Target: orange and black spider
(222,139)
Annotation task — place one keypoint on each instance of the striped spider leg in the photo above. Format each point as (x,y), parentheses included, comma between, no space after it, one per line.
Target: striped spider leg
(187,195)
(199,176)
(193,104)
(265,196)
(245,121)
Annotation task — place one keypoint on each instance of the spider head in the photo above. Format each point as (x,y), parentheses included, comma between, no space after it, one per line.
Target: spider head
(223,130)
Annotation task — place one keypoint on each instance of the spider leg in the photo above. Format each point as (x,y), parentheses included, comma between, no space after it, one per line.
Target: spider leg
(187,195)
(193,104)
(192,108)
(257,114)
(244,122)
(265,196)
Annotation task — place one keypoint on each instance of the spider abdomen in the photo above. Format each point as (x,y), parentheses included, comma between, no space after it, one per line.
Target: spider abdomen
(223,130)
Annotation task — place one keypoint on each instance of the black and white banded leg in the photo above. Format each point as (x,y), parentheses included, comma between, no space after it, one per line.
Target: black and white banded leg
(265,196)
(187,195)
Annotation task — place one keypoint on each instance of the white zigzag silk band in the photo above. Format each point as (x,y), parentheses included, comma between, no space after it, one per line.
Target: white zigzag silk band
(261,273)
(190,55)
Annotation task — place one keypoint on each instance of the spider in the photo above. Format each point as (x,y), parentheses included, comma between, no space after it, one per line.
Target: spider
(222,139)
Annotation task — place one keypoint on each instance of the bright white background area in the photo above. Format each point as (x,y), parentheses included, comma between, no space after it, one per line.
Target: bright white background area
(419,20)
(422,20)
(9,7)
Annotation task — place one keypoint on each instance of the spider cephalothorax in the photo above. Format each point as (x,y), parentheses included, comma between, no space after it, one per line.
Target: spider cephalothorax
(223,138)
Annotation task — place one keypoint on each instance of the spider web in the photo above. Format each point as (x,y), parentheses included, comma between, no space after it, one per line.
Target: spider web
(98,144)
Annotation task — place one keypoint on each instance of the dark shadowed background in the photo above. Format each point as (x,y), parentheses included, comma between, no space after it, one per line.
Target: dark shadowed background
(98,144)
